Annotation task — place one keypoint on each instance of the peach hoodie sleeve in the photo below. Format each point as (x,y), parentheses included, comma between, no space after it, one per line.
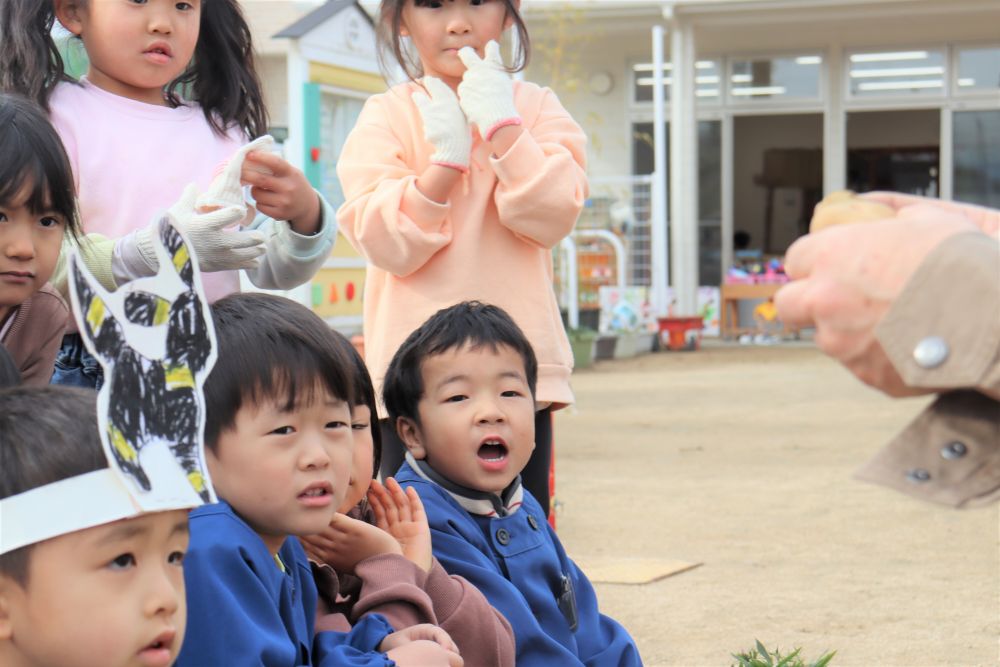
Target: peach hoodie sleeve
(542,180)
(385,216)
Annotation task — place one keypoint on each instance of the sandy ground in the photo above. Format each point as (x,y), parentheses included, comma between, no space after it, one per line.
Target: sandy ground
(740,458)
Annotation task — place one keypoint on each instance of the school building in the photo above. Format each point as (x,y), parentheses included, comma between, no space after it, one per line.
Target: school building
(705,117)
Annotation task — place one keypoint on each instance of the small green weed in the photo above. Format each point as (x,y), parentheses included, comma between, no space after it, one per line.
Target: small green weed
(760,657)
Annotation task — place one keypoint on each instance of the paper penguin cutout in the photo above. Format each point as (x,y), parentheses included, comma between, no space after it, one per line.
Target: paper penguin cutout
(155,340)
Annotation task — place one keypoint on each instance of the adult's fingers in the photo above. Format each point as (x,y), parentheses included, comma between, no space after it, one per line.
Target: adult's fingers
(802,254)
(794,305)
(896,200)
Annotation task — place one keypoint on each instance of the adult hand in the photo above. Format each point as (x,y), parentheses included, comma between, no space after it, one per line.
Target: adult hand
(913,206)
(487,91)
(445,126)
(216,247)
(847,277)
(401,514)
(281,191)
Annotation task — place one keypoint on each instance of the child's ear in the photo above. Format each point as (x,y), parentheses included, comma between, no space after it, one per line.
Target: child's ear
(6,621)
(70,15)
(409,433)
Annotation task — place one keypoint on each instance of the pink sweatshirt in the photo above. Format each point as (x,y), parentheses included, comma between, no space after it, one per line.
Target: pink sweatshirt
(491,241)
(132,160)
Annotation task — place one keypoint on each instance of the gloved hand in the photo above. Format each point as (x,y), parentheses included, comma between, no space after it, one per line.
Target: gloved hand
(445,126)
(487,91)
(216,248)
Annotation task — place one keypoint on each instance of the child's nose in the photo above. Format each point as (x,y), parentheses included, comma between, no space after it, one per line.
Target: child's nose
(160,20)
(458,22)
(314,455)
(489,412)
(17,242)
(165,591)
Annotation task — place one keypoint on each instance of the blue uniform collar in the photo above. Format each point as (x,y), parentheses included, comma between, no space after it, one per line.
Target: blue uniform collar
(471,500)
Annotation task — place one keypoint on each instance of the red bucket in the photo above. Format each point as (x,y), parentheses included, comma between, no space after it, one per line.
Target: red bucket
(680,333)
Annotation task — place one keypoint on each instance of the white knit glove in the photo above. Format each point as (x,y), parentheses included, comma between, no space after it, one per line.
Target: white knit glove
(487,91)
(445,126)
(216,248)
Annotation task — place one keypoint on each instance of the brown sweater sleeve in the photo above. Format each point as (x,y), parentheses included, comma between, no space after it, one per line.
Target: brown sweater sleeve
(35,335)
(406,595)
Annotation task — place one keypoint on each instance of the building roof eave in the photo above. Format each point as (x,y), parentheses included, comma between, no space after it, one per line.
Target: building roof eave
(318,16)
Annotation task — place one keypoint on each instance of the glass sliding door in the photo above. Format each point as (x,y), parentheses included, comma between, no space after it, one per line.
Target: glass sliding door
(976,157)
(709,198)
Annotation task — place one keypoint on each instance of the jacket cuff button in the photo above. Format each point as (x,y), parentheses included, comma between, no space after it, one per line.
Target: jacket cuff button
(930,352)
(954,450)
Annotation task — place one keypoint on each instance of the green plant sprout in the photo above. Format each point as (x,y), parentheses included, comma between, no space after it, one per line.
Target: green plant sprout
(760,657)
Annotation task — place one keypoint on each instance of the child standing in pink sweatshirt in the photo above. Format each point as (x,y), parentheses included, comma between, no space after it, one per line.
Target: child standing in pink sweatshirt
(171,93)
(458,184)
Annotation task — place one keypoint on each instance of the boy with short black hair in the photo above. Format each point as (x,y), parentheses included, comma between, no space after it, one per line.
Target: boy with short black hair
(460,391)
(109,593)
(279,449)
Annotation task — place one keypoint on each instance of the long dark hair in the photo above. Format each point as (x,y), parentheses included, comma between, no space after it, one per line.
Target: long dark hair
(32,154)
(390,42)
(221,77)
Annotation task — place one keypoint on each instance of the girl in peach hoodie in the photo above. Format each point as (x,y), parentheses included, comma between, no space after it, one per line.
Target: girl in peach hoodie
(458,184)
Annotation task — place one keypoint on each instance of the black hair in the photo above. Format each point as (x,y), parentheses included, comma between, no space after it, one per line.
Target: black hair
(470,322)
(364,394)
(32,154)
(221,77)
(9,375)
(47,434)
(270,347)
(390,45)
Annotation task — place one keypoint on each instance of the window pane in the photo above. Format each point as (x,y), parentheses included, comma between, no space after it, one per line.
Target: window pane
(978,69)
(642,78)
(878,74)
(977,157)
(706,81)
(774,79)
(338,114)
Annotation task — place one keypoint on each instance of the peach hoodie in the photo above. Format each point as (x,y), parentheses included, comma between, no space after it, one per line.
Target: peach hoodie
(492,241)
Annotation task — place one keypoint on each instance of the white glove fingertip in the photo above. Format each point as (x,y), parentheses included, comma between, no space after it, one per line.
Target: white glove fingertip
(420,99)
(492,53)
(469,57)
(438,89)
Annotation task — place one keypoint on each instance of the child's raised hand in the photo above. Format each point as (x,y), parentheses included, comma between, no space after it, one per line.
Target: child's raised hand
(346,542)
(217,248)
(423,645)
(445,126)
(487,91)
(401,514)
(281,191)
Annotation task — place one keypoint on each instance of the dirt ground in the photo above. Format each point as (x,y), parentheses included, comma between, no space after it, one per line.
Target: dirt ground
(740,458)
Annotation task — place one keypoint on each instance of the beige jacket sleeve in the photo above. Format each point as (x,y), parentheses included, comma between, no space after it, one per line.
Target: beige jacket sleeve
(943,333)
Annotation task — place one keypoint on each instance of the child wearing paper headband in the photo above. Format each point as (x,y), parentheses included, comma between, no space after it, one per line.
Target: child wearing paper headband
(79,586)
